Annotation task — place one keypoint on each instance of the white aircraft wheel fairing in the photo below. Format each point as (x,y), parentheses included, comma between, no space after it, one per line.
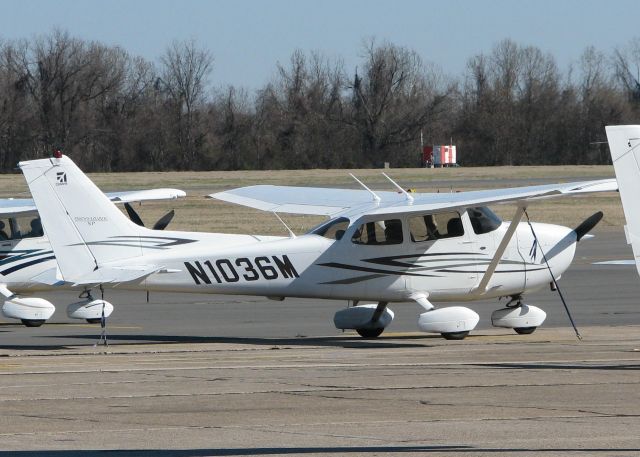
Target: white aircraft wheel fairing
(524,319)
(359,318)
(90,310)
(32,311)
(454,322)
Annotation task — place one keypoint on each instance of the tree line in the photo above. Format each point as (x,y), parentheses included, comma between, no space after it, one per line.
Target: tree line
(112,111)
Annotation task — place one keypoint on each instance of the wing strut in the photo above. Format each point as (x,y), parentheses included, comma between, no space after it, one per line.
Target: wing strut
(517,217)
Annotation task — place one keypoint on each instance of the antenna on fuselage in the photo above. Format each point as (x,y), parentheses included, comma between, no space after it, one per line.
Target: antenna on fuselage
(407,196)
(291,234)
(375,196)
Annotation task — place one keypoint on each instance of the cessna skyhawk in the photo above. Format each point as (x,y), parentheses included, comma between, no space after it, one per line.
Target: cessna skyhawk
(25,254)
(376,246)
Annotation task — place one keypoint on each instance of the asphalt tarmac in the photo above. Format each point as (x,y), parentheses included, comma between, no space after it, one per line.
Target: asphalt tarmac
(195,375)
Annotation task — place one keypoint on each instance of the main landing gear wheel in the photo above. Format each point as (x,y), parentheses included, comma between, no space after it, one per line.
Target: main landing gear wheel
(94,321)
(525,330)
(32,322)
(454,335)
(370,332)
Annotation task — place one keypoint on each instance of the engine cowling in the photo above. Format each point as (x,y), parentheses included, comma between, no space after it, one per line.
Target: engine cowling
(88,309)
(523,316)
(30,310)
(359,317)
(453,319)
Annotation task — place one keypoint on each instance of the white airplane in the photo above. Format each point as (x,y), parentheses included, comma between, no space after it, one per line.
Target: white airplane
(624,145)
(377,246)
(25,254)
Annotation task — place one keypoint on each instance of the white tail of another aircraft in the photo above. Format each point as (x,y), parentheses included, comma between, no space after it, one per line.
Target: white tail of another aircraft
(624,143)
(85,229)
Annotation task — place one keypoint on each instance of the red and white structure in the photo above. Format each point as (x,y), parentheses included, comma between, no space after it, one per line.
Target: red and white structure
(439,156)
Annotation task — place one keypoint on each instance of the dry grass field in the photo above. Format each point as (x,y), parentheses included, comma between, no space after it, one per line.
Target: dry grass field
(199,214)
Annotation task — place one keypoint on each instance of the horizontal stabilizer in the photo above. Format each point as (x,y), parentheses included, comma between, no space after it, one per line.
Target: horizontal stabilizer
(26,206)
(50,277)
(145,195)
(107,275)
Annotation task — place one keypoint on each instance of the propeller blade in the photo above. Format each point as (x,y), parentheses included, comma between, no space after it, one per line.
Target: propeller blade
(586,226)
(164,221)
(135,218)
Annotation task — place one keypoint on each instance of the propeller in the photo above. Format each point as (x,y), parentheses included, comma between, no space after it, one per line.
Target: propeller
(588,224)
(161,224)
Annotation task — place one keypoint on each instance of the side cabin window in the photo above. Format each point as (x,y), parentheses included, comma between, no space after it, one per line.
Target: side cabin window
(483,220)
(387,231)
(431,227)
(17,228)
(333,229)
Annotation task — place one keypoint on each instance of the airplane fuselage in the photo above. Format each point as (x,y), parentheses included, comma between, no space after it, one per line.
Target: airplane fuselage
(312,266)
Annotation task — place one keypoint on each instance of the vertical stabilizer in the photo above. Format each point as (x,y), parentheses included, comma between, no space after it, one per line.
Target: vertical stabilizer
(624,144)
(84,228)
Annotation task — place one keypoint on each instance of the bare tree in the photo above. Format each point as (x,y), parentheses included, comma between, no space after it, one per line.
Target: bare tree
(393,98)
(184,74)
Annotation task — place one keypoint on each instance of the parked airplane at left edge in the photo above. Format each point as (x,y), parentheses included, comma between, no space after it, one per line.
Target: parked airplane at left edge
(379,246)
(26,255)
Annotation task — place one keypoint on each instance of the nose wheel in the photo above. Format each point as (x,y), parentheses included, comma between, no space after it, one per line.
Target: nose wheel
(525,330)
(370,332)
(522,318)
(454,335)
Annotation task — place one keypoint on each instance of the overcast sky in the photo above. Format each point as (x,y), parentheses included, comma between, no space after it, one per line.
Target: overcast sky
(248,37)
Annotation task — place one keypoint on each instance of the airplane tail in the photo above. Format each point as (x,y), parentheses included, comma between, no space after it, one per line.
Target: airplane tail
(624,144)
(85,229)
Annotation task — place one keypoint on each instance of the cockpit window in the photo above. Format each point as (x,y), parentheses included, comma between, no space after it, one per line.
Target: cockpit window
(483,220)
(17,228)
(379,232)
(431,227)
(333,229)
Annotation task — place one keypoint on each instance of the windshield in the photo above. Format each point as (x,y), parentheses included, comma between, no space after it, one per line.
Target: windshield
(483,220)
(333,229)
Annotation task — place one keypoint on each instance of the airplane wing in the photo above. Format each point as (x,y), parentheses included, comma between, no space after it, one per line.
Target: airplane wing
(14,206)
(334,202)
(304,200)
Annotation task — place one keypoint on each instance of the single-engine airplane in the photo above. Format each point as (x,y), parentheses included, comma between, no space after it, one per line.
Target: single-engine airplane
(624,145)
(377,246)
(25,253)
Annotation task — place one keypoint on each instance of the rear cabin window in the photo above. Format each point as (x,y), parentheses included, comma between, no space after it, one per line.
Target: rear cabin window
(431,227)
(17,228)
(483,220)
(379,232)
(333,229)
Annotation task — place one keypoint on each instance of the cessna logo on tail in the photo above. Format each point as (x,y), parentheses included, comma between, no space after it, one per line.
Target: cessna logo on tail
(61,178)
